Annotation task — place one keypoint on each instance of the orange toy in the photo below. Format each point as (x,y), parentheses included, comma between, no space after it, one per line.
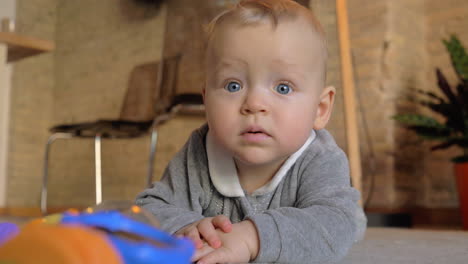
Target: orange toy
(108,233)
(58,244)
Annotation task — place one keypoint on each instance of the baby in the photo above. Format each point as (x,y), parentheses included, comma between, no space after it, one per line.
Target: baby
(263,180)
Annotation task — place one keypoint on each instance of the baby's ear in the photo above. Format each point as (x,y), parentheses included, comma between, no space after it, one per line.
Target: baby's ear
(324,108)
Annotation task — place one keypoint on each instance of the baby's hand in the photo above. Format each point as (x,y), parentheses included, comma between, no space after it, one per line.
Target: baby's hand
(239,246)
(205,229)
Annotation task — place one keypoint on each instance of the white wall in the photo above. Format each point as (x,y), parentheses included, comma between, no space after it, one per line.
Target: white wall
(7,10)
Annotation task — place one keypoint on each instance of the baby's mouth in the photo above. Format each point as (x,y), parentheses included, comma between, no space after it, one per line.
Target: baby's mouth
(255,134)
(255,131)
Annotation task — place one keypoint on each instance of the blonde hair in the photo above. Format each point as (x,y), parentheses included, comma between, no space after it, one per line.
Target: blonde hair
(248,12)
(253,12)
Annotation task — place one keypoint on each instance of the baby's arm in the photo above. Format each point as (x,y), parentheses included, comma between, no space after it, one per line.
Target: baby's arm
(239,246)
(322,224)
(179,198)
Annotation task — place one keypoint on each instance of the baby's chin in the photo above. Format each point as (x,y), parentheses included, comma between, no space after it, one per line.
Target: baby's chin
(257,159)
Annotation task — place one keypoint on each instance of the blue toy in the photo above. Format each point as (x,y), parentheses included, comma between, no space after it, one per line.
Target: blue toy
(95,236)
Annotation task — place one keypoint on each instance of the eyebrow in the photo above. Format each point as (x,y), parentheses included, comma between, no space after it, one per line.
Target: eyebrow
(230,63)
(292,68)
(285,63)
(226,64)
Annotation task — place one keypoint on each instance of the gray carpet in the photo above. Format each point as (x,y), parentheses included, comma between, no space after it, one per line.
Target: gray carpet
(398,245)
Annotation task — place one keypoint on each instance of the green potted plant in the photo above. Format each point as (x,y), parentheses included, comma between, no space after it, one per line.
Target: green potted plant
(451,126)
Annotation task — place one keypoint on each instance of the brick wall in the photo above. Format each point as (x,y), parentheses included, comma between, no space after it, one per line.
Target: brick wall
(31,104)
(406,63)
(326,14)
(369,27)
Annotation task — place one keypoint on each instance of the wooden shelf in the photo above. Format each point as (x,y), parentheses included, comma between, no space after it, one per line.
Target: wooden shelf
(20,47)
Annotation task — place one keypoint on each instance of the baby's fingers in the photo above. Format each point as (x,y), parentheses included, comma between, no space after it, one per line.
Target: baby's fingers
(208,232)
(192,234)
(216,256)
(222,222)
(199,253)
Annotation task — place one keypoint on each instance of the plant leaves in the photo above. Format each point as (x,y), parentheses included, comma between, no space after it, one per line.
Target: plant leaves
(425,127)
(440,134)
(460,159)
(417,120)
(458,56)
(444,109)
(455,114)
(459,141)
(452,105)
(462,90)
(428,94)
(444,145)
(445,87)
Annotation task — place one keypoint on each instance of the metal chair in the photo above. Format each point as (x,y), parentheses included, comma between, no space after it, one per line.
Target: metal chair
(151,100)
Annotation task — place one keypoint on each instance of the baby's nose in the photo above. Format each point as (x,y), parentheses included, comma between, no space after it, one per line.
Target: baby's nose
(254,102)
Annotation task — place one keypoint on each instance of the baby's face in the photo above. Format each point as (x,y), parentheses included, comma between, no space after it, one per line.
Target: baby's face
(263,89)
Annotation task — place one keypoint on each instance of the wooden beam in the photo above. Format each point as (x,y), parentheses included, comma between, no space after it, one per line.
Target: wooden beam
(351,123)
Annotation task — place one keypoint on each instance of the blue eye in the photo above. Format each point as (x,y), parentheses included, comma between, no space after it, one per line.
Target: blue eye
(232,87)
(283,88)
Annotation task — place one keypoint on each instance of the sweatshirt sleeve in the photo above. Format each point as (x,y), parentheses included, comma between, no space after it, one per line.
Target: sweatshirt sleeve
(323,223)
(178,198)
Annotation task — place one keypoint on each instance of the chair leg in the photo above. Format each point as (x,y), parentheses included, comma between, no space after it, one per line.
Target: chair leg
(51,139)
(154,140)
(97,157)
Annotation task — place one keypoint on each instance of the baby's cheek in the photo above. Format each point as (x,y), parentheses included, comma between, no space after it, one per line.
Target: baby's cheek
(295,135)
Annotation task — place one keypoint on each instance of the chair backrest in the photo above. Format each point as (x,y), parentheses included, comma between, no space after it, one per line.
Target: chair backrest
(143,90)
(167,92)
(151,88)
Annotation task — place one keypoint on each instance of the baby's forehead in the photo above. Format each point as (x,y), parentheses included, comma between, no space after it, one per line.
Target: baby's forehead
(296,35)
(236,24)
(290,48)
(309,42)
(226,28)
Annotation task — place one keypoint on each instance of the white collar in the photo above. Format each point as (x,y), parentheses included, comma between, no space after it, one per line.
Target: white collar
(223,171)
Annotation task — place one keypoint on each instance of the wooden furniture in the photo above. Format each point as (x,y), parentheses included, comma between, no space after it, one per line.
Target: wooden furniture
(19,47)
